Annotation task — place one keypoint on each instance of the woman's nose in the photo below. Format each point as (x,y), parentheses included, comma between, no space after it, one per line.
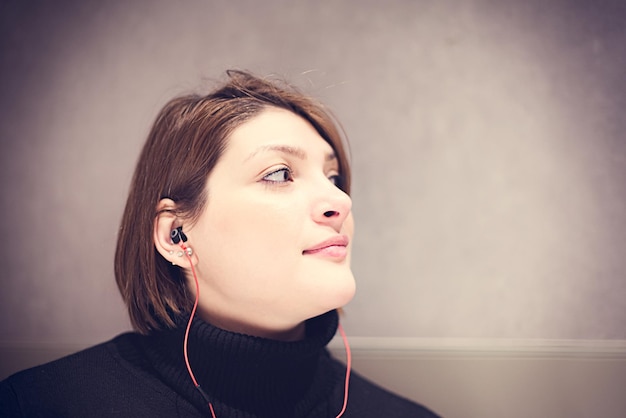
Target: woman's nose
(332,207)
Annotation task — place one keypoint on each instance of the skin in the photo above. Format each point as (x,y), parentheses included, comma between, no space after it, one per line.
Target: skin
(271,201)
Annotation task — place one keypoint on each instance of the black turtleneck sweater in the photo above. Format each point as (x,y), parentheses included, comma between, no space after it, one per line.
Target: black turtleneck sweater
(145,376)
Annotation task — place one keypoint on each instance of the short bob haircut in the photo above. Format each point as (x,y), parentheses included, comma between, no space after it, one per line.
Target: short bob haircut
(186,141)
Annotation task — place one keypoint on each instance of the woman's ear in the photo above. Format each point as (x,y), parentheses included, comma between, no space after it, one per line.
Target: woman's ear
(164,223)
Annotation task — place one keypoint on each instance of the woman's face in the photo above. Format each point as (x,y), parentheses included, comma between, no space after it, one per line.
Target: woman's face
(273,243)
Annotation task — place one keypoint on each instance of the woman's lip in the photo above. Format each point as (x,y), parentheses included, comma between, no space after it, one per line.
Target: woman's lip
(332,245)
(332,251)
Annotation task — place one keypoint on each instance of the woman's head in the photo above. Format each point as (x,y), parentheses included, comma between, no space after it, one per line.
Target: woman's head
(175,185)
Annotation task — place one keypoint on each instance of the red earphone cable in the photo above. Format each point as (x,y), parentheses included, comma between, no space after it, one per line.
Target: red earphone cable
(185,344)
(348,368)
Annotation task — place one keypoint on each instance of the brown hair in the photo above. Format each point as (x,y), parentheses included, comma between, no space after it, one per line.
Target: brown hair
(185,142)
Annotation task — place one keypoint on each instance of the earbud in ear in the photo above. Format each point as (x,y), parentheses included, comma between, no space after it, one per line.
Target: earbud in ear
(177,235)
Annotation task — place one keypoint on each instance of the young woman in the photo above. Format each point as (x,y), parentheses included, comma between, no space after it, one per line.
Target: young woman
(233,257)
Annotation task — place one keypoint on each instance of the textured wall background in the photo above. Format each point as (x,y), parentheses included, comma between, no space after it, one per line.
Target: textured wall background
(487,143)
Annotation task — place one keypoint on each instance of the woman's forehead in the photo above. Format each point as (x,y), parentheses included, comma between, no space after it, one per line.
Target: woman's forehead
(278,131)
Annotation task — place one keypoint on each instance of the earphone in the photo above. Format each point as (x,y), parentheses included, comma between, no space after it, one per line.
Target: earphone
(178,237)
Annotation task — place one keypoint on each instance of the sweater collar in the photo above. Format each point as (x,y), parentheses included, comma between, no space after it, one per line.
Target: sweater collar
(248,373)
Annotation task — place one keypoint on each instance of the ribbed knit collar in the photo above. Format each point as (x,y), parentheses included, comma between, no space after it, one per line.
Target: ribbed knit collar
(255,376)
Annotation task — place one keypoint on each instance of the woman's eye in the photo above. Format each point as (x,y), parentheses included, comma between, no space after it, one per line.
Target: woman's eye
(337,180)
(279,176)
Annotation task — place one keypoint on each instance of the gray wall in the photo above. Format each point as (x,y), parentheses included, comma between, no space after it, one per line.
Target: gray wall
(487,145)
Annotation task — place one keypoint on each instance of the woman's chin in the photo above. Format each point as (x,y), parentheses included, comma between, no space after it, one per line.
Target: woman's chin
(342,293)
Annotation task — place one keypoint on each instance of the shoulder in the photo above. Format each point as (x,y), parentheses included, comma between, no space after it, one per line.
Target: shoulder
(77,367)
(98,380)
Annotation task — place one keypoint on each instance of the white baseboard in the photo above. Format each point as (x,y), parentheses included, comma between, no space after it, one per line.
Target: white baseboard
(485,346)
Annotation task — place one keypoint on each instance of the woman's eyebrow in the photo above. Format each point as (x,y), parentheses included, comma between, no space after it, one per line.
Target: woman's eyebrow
(286,149)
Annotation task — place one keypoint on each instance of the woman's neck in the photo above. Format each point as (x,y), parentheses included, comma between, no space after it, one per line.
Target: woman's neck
(287,333)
